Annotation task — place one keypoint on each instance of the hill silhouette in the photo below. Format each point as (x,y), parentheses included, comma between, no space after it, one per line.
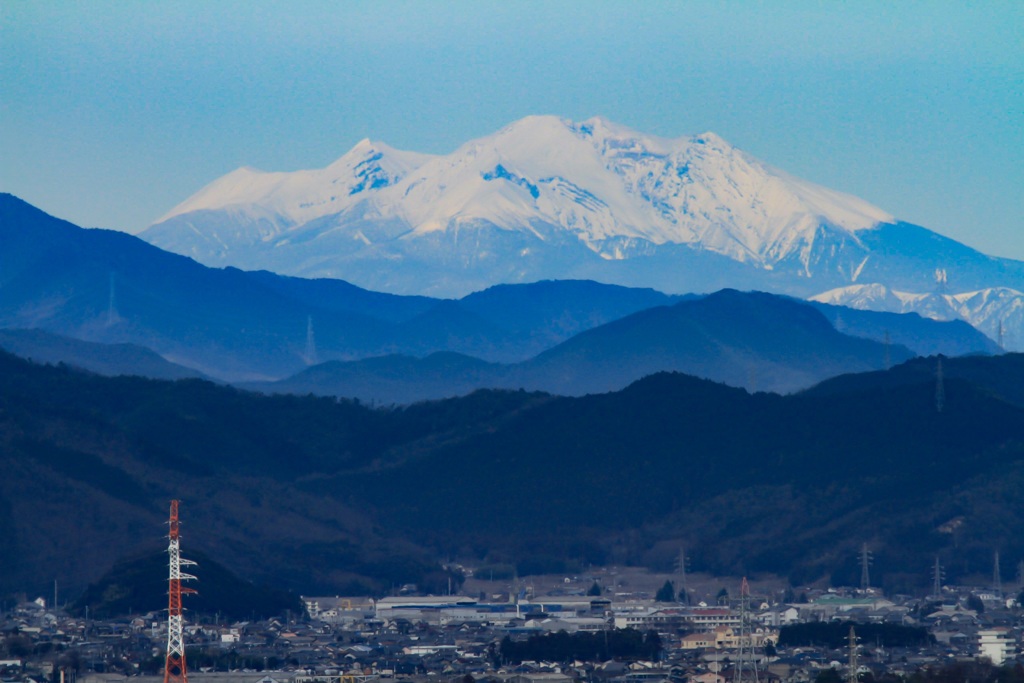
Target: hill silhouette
(105,359)
(745,339)
(138,585)
(109,287)
(316,494)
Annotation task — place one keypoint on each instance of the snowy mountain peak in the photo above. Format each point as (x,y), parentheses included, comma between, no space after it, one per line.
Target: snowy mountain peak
(996,311)
(541,181)
(300,196)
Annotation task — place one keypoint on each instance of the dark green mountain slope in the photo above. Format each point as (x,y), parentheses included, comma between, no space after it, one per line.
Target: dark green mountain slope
(757,482)
(137,585)
(999,376)
(89,463)
(320,495)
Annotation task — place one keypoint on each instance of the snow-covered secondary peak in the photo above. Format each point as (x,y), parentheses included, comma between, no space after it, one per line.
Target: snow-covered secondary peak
(301,196)
(996,311)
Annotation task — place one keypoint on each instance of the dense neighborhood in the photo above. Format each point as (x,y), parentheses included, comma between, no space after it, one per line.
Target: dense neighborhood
(517,637)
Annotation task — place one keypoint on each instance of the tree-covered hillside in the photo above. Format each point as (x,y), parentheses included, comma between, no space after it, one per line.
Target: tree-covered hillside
(317,494)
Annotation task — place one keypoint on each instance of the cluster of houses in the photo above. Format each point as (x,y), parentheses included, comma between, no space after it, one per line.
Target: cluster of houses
(457,639)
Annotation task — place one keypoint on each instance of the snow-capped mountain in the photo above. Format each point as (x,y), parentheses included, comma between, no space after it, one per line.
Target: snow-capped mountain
(262,208)
(996,311)
(543,198)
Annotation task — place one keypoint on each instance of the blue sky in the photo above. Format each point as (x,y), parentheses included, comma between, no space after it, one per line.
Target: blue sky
(113,112)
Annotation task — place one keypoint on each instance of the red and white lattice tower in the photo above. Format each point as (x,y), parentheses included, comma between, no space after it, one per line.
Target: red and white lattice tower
(174,669)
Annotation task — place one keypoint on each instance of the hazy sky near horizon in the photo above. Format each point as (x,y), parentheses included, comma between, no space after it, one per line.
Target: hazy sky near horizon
(111,113)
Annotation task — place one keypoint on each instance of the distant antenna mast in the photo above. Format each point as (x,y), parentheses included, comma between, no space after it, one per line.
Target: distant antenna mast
(865,562)
(940,387)
(997,577)
(1000,342)
(112,316)
(682,576)
(174,668)
(937,576)
(310,342)
(851,674)
(745,657)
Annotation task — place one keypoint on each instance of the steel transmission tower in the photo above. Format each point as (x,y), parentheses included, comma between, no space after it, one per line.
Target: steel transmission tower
(937,576)
(852,666)
(310,342)
(174,668)
(865,563)
(684,591)
(745,658)
(997,577)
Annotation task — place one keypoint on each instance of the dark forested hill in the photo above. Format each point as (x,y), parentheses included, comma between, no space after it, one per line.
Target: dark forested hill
(90,462)
(319,494)
(999,376)
(136,585)
(758,483)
